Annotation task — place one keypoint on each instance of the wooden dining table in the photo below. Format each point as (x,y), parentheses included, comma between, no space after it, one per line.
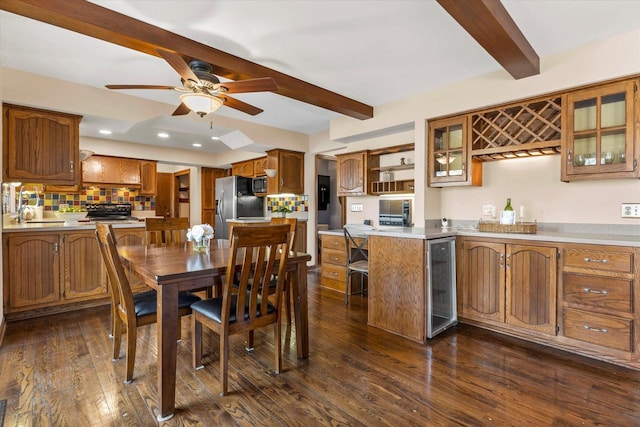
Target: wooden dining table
(174,267)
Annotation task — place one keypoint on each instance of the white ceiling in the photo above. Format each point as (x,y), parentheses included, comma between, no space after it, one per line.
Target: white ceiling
(372,51)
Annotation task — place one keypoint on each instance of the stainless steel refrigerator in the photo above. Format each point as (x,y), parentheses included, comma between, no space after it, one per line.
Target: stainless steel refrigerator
(234,200)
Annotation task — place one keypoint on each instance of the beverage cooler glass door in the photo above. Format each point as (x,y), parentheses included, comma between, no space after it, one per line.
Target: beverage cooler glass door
(441,285)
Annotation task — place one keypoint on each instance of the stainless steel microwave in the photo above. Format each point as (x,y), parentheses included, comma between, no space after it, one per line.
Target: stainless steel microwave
(395,212)
(259,185)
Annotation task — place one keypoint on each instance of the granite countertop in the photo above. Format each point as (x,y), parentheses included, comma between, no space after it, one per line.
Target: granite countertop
(257,219)
(543,236)
(57,225)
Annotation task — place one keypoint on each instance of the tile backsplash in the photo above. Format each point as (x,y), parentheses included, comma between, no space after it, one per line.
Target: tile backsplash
(298,203)
(90,195)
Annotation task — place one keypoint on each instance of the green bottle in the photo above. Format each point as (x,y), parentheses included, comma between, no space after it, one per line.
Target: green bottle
(508,207)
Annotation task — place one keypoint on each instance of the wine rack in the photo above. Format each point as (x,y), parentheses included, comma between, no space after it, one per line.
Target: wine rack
(517,130)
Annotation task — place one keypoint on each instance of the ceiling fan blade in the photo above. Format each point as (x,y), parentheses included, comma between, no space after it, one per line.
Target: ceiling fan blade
(181,110)
(240,105)
(179,64)
(251,85)
(139,87)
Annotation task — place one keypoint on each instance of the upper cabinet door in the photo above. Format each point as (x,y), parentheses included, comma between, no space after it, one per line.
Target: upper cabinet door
(449,155)
(598,134)
(289,166)
(40,146)
(351,174)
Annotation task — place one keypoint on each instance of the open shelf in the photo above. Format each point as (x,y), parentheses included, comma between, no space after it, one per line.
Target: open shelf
(390,187)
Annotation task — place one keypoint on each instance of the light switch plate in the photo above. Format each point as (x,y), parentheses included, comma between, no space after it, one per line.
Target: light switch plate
(356,207)
(630,210)
(488,210)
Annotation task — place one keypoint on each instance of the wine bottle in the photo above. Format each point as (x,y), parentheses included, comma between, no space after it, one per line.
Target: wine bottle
(508,207)
(508,216)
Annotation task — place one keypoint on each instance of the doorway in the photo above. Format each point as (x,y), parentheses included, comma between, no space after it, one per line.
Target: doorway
(328,206)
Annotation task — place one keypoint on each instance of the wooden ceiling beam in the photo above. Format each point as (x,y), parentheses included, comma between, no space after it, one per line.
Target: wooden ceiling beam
(489,23)
(105,24)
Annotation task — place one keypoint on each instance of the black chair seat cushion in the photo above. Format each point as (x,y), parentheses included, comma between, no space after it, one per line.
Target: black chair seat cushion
(212,308)
(147,302)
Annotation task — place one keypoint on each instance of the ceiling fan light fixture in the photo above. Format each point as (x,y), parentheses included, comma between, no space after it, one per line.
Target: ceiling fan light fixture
(202,104)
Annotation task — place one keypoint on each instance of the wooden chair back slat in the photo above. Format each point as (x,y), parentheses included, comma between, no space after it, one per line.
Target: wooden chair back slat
(166,230)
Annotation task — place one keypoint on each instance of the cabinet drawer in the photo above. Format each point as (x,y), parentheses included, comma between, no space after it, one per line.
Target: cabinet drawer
(333,242)
(601,292)
(334,272)
(609,331)
(334,257)
(599,260)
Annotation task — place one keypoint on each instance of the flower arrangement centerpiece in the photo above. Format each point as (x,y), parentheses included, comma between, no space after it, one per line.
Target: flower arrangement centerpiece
(200,235)
(282,211)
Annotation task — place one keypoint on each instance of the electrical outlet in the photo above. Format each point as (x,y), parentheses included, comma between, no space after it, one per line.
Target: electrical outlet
(356,207)
(631,210)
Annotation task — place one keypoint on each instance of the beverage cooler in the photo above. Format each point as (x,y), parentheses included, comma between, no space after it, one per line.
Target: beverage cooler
(441,285)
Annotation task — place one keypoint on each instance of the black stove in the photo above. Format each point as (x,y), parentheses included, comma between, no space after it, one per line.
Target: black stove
(109,212)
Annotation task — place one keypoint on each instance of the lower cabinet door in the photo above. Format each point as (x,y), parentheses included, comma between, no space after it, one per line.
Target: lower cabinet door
(531,287)
(33,270)
(83,267)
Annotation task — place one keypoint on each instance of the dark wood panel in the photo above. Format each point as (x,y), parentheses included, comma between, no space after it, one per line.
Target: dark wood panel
(397,286)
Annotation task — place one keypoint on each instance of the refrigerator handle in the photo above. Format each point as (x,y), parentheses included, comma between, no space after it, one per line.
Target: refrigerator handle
(221,205)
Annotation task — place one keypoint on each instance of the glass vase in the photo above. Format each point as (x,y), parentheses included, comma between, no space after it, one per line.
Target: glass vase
(201,246)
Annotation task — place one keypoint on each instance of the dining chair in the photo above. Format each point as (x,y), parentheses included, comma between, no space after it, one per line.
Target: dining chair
(244,306)
(166,230)
(293,224)
(128,310)
(357,260)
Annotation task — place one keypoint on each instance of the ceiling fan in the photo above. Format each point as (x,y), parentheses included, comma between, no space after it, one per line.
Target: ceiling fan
(203,91)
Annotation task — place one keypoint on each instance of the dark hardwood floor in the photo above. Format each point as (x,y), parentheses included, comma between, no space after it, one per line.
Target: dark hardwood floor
(57,370)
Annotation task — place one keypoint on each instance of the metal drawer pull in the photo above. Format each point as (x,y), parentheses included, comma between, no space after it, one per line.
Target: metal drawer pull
(589,328)
(603,261)
(594,291)
(334,243)
(334,258)
(333,273)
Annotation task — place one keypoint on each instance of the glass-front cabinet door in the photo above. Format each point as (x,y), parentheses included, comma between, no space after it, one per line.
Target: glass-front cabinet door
(599,133)
(449,162)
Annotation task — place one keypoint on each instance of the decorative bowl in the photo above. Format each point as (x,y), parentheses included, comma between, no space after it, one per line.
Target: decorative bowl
(71,216)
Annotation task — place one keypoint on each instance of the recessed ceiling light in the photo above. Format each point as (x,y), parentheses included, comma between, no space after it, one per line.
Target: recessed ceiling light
(105,131)
(195,144)
(215,138)
(163,135)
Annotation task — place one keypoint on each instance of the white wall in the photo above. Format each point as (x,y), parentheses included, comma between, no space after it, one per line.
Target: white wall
(533,182)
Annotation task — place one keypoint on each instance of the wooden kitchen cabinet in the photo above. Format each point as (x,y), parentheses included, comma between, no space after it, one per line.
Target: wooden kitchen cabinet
(242,169)
(450,162)
(392,178)
(31,270)
(598,127)
(82,267)
(111,170)
(48,272)
(40,146)
(510,283)
(301,236)
(148,177)
(598,299)
(259,166)
(334,263)
(354,173)
(289,166)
